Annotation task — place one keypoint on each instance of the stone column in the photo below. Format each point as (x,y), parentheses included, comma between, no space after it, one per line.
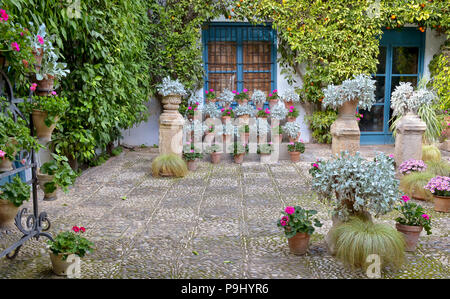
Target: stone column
(171,126)
(408,142)
(345,130)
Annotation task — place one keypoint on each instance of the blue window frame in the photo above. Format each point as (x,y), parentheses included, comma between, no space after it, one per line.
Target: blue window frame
(238,56)
(401,60)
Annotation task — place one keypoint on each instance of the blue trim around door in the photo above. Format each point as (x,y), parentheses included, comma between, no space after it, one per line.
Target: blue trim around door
(407,37)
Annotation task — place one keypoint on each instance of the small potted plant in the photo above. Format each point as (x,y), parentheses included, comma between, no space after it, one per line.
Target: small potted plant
(192,110)
(292,129)
(439,186)
(238,152)
(55,174)
(12,196)
(412,165)
(273,98)
(244,112)
(68,244)
(265,151)
(277,134)
(278,112)
(210,96)
(50,71)
(191,155)
(211,111)
(292,114)
(258,98)
(263,113)
(226,98)
(227,114)
(289,97)
(298,226)
(295,149)
(411,222)
(216,153)
(241,97)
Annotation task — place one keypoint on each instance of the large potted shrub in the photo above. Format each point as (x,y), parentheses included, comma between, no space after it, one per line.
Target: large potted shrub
(298,226)
(12,196)
(439,186)
(65,247)
(258,98)
(411,222)
(359,91)
(55,174)
(295,149)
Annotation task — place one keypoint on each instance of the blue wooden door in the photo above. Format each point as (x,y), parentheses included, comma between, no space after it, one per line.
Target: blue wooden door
(401,60)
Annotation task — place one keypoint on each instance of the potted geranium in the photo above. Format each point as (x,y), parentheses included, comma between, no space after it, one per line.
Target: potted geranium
(298,226)
(411,222)
(289,97)
(263,113)
(439,186)
(273,98)
(241,97)
(265,151)
(215,151)
(192,110)
(191,155)
(227,114)
(295,149)
(258,98)
(292,129)
(292,114)
(210,96)
(238,151)
(12,196)
(68,244)
(55,174)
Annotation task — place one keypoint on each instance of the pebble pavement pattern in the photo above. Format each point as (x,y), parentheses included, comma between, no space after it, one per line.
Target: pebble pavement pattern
(217,222)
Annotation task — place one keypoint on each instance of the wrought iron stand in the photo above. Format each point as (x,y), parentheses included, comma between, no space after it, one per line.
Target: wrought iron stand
(31,225)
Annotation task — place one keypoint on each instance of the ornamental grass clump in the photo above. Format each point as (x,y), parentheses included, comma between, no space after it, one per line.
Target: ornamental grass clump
(431,153)
(413,184)
(169,165)
(357,239)
(169,87)
(360,186)
(412,165)
(361,88)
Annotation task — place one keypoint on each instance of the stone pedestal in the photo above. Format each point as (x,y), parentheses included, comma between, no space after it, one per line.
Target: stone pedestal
(345,130)
(408,142)
(171,126)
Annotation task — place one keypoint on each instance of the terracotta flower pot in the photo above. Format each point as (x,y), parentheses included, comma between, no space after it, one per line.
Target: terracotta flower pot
(215,158)
(192,165)
(43,132)
(299,243)
(38,54)
(7,213)
(259,105)
(238,159)
(272,103)
(5,165)
(288,104)
(295,156)
(294,139)
(291,119)
(43,179)
(441,204)
(45,86)
(59,266)
(411,233)
(225,119)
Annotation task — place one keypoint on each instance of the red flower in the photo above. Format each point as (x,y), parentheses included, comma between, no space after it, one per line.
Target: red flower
(75,229)
(82,229)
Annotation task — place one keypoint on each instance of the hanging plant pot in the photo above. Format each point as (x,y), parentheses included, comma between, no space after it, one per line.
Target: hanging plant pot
(38,54)
(59,266)
(441,203)
(299,243)
(239,158)
(295,156)
(192,165)
(43,179)
(288,104)
(215,158)
(45,86)
(411,234)
(43,132)
(7,213)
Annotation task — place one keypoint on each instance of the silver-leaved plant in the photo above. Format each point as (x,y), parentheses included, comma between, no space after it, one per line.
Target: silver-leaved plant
(289,95)
(279,111)
(169,86)
(212,109)
(226,96)
(258,96)
(292,129)
(244,110)
(405,98)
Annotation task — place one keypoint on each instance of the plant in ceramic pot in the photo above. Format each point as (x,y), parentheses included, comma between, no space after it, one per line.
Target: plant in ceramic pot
(292,114)
(292,129)
(65,247)
(439,186)
(273,98)
(191,110)
(226,98)
(295,149)
(12,196)
(172,91)
(278,112)
(215,150)
(265,151)
(258,98)
(227,114)
(244,112)
(50,71)
(211,110)
(290,97)
(238,151)
(191,155)
(412,221)
(210,96)
(55,174)
(241,97)
(298,226)
(359,91)
(263,113)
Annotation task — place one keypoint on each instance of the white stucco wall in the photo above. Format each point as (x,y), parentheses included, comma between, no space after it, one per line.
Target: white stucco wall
(433,43)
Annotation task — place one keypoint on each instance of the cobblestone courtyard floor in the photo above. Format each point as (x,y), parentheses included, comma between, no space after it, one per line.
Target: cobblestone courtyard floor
(218,222)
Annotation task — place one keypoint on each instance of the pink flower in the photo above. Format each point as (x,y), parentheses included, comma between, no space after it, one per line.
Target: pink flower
(283,223)
(33,87)
(234,91)
(40,39)
(270,94)
(292,107)
(195,109)
(206,92)
(228,112)
(211,90)
(275,91)
(259,108)
(405,198)
(301,140)
(426,216)
(290,210)
(192,150)
(54,93)
(391,156)
(358,119)
(291,110)
(245,90)
(21,34)
(291,143)
(267,111)
(285,218)
(2,154)
(75,229)
(316,166)
(222,110)
(237,93)
(189,108)
(3,15)
(15,46)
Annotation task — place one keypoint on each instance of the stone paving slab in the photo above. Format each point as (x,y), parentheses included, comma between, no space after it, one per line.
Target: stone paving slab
(217,222)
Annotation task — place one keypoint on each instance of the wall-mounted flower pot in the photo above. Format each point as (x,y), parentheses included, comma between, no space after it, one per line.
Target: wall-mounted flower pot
(43,132)
(45,86)
(215,158)
(5,165)
(411,234)
(295,156)
(43,179)
(239,158)
(291,119)
(7,213)
(441,203)
(273,103)
(192,165)
(299,243)
(288,104)
(60,266)
(38,55)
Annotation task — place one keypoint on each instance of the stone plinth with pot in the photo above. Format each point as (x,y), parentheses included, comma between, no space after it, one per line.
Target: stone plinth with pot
(171,126)
(345,130)
(408,142)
